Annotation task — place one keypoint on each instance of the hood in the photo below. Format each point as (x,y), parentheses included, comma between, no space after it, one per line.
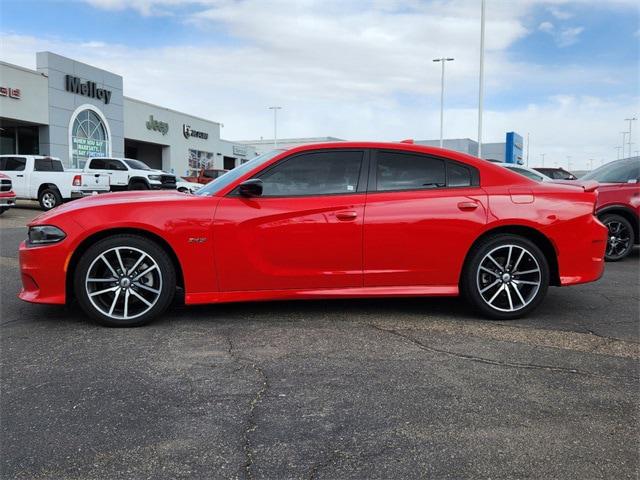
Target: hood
(128,198)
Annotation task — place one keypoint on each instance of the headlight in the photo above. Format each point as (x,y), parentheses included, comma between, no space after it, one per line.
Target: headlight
(157,178)
(45,234)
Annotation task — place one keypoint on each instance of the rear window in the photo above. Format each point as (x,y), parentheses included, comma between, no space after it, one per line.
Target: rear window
(408,171)
(13,164)
(48,165)
(458,175)
(624,171)
(97,164)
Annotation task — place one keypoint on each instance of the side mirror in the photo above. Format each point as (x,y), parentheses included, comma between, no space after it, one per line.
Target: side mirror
(250,188)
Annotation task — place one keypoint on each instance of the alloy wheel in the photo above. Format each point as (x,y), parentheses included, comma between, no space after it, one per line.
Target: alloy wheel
(508,278)
(123,283)
(618,240)
(49,200)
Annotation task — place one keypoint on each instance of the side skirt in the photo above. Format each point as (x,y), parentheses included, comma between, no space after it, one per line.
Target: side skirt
(355,292)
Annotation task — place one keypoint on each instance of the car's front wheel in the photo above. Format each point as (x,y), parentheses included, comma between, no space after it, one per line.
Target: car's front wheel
(124,281)
(506,277)
(620,239)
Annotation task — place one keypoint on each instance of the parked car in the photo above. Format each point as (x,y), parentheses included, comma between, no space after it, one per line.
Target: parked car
(527,172)
(619,204)
(41,178)
(204,176)
(556,173)
(187,187)
(7,195)
(334,220)
(130,174)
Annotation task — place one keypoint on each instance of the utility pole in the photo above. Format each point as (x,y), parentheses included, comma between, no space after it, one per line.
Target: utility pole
(543,155)
(630,120)
(442,60)
(623,141)
(275,125)
(481,82)
(527,149)
(618,152)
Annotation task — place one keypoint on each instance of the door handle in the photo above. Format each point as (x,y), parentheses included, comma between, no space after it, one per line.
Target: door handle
(466,206)
(19,175)
(347,215)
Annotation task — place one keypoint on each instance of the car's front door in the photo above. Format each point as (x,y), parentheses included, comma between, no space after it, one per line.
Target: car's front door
(15,168)
(303,232)
(422,215)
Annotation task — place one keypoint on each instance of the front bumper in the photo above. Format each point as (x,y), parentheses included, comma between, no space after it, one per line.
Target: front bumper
(43,273)
(7,201)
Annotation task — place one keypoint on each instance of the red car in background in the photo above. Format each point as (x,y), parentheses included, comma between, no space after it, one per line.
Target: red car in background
(618,204)
(7,195)
(334,220)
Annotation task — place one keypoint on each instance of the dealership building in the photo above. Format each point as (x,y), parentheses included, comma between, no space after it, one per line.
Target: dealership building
(73,111)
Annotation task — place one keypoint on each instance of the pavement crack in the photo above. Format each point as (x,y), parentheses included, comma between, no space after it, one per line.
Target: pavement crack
(250,424)
(488,361)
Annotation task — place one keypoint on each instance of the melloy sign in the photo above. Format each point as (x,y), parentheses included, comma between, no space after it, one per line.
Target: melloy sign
(87,89)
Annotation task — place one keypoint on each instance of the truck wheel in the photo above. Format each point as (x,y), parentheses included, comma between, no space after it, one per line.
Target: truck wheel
(138,186)
(49,198)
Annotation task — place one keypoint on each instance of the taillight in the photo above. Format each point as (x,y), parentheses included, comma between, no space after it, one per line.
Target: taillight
(77,181)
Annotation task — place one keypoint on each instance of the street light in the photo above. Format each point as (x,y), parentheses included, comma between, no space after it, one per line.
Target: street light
(623,142)
(630,120)
(275,125)
(618,152)
(481,80)
(543,155)
(442,60)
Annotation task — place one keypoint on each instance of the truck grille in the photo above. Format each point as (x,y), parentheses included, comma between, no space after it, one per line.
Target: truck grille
(168,180)
(5,185)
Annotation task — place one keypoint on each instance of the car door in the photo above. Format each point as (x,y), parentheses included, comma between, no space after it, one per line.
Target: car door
(15,168)
(304,232)
(422,215)
(119,172)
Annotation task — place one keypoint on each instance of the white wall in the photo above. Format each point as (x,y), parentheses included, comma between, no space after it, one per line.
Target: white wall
(32,106)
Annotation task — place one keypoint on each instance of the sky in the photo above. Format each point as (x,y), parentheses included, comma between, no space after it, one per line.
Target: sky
(565,73)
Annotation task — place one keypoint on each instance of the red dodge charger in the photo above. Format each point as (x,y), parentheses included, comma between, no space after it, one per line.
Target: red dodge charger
(334,220)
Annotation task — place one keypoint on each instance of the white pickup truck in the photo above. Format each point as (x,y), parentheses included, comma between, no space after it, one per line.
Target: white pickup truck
(130,174)
(41,178)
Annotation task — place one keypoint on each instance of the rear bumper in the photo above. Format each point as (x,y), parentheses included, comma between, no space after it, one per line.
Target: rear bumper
(43,272)
(580,246)
(87,193)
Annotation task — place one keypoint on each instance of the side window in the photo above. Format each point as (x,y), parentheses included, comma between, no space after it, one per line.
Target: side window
(42,165)
(97,164)
(115,165)
(408,171)
(56,166)
(13,164)
(458,175)
(316,173)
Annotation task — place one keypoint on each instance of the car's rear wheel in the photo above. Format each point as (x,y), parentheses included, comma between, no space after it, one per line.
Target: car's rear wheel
(49,198)
(124,281)
(620,239)
(506,277)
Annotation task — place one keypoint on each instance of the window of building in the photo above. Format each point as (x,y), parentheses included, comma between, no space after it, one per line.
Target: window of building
(199,160)
(89,137)
(317,173)
(19,140)
(408,171)
(229,163)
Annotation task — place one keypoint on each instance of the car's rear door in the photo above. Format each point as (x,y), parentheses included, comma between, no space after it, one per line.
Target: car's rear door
(422,215)
(304,232)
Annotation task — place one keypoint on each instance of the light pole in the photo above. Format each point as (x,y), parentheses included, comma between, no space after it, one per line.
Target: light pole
(569,162)
(591,164)
(618,152)
(623,141)
(481,80)
(630,120)
(275,125)
(543,155)
(442,60)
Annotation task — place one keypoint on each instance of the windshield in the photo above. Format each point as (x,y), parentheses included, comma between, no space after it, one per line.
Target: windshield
(622,171)
(137,164)
(232,175)
(538,177)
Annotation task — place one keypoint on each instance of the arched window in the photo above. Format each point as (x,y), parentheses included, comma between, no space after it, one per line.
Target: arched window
(89,137)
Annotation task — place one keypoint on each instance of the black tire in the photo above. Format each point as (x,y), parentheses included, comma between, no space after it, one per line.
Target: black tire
(507,305)
(49,198)
(3,209)
(162,277)
(620,239)
(138,185)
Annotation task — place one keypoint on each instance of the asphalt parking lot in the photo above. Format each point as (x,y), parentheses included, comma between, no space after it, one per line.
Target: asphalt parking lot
(383,389)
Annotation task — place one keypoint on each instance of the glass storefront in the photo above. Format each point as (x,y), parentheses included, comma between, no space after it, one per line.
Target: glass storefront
(22,139)
(199,160)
